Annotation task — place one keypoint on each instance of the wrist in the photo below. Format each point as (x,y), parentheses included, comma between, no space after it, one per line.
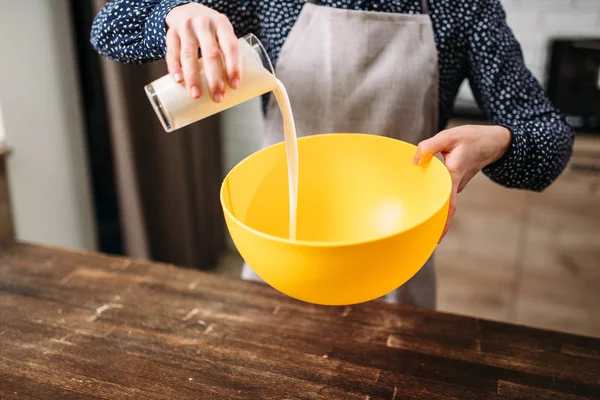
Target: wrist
(502,138)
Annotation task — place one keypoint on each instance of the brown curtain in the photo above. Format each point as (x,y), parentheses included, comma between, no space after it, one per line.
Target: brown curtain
(167,183)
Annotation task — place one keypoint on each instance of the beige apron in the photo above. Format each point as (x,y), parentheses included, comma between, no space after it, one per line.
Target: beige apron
(365,72)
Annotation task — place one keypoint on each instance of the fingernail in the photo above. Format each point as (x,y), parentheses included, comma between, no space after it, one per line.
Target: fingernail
(424,159)
(177,77)
(218,97)
(235,83)
(195,91)
(416,159)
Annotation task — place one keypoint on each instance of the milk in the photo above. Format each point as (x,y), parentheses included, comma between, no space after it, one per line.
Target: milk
(291,150)
(176,108)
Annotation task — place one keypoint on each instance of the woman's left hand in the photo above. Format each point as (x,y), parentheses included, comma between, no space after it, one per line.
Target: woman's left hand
(466,150)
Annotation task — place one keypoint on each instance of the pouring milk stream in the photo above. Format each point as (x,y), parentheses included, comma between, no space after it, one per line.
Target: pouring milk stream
(175,108)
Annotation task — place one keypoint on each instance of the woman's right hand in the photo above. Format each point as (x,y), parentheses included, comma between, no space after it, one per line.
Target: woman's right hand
(191,27)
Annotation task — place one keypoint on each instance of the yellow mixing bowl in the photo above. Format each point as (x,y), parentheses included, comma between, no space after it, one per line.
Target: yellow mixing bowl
(368,218)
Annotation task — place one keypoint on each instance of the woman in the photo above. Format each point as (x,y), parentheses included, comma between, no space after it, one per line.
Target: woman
(390,67)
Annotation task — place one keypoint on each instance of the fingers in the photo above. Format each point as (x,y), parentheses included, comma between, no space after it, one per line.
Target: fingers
(212,59)
(229,45)
(436,144)
(193,27)
(440,143)
(172,57)
(189,59)
(452,208)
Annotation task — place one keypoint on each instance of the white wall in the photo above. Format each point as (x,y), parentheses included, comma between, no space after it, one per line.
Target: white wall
(535,22)
(44,125)
(2,130)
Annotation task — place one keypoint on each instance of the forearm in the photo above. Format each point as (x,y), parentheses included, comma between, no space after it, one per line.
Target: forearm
(538,153)
(511,97)
(131,32)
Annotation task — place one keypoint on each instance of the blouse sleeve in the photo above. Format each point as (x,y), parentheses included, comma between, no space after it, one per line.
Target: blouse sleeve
(510,96)
(133,31)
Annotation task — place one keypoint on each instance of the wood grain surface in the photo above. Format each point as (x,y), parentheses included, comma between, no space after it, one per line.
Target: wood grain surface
(77,325)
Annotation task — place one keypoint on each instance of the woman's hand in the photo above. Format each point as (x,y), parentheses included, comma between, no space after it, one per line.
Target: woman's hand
(193,26)
(466,151)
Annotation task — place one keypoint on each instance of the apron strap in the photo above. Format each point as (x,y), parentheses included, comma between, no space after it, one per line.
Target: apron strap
(424,5)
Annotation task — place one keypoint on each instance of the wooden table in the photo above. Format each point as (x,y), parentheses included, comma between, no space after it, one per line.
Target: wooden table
(86,326)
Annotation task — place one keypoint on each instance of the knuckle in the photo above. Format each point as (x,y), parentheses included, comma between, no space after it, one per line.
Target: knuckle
(453,134)
(200,23)
(423,147)
(189,52)
(222,19)
(186,21)
(212,54)
(230,46)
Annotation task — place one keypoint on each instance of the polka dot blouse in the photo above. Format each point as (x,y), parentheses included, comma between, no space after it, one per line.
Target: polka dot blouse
(473,42)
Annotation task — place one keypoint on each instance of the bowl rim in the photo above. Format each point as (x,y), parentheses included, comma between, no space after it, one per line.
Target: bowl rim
(340,243)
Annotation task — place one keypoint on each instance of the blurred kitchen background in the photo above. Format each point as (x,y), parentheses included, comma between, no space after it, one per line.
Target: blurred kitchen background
(90,167)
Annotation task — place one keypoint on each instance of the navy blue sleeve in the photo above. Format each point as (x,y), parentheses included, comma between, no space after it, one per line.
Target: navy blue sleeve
(510,96)
(133,31)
